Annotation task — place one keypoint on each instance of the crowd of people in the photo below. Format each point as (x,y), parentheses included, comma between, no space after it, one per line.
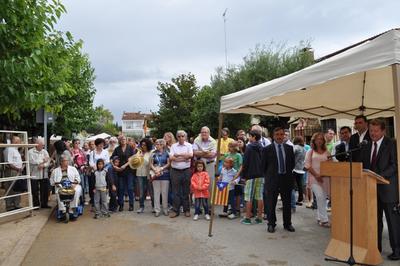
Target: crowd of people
(177,174)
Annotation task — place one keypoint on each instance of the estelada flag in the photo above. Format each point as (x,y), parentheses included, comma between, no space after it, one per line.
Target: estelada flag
(220,195)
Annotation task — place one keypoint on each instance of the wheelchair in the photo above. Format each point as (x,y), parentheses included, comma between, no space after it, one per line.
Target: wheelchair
(66,194)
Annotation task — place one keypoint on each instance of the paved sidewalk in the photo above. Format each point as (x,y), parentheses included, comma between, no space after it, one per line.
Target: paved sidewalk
(18,235)
(128,238)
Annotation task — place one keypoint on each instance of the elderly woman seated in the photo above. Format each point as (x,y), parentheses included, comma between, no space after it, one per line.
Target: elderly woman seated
(65,171)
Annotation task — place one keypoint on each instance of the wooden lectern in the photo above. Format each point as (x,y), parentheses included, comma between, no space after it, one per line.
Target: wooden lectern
(364,212)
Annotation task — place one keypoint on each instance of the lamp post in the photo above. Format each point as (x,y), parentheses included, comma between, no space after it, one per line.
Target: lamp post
(226,51)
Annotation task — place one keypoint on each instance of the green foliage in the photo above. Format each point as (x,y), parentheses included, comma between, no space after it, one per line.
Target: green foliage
(261,65)
(77,111)
(32,56)
(176,105)
(103,122)
(41,67)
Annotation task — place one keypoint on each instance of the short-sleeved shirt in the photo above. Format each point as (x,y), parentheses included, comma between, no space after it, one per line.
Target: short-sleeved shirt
(12,156)
(177,148)
(228,175)
(208,145)
(224,146)
(161,159)
(95,156)
(314,159)
(144,169)
(237,159)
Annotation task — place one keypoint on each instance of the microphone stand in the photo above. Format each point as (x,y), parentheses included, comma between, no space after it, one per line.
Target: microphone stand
(350,260)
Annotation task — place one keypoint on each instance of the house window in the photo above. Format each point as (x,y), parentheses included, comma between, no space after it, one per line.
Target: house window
(128,124)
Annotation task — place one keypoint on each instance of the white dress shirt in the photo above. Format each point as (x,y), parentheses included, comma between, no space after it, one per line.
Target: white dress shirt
(12,156)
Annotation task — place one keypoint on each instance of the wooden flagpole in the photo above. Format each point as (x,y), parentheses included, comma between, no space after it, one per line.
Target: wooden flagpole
(396,93)
(221,121)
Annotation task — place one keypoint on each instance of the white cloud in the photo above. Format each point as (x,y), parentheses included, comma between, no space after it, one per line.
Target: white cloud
(135,44)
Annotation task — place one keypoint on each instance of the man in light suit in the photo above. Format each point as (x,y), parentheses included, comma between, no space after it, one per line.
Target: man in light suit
(278,165)
(380,156)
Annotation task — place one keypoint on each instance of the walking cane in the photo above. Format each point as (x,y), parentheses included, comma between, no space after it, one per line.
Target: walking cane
(220,123)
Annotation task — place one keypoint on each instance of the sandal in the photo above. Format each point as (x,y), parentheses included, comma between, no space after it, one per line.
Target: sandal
(324,224)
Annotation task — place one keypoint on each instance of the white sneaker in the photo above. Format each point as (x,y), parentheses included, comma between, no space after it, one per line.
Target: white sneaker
(207,216)
(195,217)
(141,210)
(232,216)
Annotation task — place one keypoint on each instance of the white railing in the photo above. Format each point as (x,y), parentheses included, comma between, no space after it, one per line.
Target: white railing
(24,144)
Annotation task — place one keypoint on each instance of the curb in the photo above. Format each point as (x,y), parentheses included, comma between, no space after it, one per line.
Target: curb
(22,247)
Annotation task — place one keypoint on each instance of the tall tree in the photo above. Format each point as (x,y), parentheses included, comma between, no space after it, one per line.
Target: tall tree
(103,122)
(261,65)
(77,111)
(42,68)
(33,57)
(176,105)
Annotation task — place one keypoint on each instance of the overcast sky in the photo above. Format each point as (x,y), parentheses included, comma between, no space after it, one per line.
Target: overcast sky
(134,44)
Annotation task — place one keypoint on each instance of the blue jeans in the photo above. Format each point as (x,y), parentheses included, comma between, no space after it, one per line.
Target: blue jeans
(198,202)
(231,201)
(125,183)
(143,185)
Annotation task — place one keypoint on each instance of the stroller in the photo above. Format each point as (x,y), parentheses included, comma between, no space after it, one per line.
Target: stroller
(66,194)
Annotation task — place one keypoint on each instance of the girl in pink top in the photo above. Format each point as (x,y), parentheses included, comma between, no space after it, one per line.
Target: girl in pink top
(199,183)
(319,184)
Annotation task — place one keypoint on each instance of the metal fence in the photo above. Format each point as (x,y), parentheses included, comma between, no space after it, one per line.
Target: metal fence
(9,189)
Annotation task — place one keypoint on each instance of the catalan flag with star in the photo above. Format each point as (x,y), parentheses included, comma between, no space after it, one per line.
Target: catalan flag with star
(220,193)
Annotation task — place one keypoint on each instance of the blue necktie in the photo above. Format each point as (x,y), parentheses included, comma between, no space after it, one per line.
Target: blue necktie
(281,160)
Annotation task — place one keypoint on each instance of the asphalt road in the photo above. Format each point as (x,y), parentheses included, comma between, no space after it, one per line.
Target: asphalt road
(141,239)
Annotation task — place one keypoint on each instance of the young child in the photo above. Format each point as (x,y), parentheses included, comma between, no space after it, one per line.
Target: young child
(102,181)
(237,164)
(113,205)
(234,154)
(200,183)
(228,175)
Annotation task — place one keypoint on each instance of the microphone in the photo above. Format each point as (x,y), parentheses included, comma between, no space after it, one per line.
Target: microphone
(363,143)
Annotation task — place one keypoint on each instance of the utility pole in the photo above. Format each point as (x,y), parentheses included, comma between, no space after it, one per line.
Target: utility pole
(226,51)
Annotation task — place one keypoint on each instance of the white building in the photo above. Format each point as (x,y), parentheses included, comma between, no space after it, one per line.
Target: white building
(135,124)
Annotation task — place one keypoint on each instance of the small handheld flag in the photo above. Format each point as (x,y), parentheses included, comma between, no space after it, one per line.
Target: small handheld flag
(220,195)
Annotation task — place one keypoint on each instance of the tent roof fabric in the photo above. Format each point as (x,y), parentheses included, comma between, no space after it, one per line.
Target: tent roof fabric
(357,78)
(99,136)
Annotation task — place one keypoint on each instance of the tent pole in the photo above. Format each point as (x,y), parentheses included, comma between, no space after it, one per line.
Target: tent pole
(220,123)
(396,87)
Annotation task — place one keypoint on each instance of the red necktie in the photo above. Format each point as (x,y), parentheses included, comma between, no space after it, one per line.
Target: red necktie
(373,158)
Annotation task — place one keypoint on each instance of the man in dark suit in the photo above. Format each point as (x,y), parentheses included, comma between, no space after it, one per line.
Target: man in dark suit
(343,145)
(361,125)
(380,156)
(278,165)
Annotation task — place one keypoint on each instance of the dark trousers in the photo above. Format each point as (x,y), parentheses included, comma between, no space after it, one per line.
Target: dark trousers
(299,182)
(272,198)
(180,180)
(231,201)
(198,202)
(125,183)
(11,202)
(393,224)
(40,192)
(113,201)
(91,180)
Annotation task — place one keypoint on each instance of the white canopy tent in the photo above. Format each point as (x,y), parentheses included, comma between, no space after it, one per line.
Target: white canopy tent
(99,136)
(361,79)
(355,79)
